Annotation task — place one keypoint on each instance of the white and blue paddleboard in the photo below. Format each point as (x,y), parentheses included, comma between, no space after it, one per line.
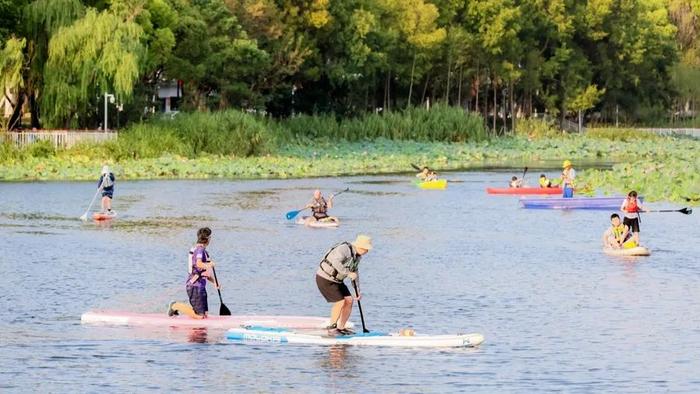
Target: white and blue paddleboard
(320,337)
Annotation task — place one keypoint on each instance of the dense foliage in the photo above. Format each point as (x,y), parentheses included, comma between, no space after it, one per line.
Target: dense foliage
(638,58)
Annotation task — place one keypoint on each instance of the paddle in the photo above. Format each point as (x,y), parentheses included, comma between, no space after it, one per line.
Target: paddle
(685,211)
(292,214)
(340,192)
(522,178)
(223,310)
(359,306)
(83,217)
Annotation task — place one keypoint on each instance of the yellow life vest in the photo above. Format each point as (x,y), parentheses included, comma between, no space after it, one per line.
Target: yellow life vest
(618,231)
(544,182)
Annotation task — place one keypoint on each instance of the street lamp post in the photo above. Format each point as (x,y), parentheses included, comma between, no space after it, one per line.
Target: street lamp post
(110,98)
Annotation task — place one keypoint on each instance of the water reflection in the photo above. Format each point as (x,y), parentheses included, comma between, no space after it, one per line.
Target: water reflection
(337,357)
(198,335)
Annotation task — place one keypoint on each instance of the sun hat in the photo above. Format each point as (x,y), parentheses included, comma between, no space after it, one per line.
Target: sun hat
(566,163)
(363,242)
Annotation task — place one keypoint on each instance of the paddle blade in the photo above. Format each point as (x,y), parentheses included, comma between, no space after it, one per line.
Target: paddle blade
(223,311)
(686,211)
(83,217)
(416,167)
(292,214)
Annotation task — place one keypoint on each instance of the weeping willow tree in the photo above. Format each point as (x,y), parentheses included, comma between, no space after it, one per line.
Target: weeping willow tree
(98,53)
(11,63)
(40,20)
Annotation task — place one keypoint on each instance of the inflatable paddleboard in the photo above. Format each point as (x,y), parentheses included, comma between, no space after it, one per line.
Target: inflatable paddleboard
(104,215)
(318,224)
(602,203)
(285,335)
(432,185)
(521,191)
(118,318)
(636,251)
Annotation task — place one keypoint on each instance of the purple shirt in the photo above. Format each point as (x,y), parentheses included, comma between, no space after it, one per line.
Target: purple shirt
(199,254)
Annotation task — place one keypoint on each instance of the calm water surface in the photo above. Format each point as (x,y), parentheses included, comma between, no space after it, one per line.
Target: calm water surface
(556,312)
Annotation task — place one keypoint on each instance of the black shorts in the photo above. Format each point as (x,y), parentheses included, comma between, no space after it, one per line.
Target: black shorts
(320,215)
(198,299)
(331,291)
(633,224)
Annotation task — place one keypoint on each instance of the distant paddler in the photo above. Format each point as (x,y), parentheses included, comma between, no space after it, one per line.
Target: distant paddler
(340,262)
(427,175)
(631,208)
(545,182)
(568,176)
(106,183)
(319,207)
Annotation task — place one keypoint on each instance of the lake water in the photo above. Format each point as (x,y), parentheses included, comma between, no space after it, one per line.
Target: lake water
(556,312)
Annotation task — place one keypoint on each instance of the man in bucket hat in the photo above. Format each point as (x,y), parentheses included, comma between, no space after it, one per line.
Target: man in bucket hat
(340,262)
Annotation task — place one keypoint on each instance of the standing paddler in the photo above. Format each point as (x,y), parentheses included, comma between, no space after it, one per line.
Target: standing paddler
(340,262)
(568,176)
(106,182)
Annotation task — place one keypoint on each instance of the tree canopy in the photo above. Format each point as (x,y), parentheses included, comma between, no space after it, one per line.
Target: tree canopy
(640,58)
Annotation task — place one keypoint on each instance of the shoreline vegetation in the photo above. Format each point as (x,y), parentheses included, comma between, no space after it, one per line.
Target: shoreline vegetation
(235,145)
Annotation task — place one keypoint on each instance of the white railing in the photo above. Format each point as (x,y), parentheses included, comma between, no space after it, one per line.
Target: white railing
(672,130)
(60,139)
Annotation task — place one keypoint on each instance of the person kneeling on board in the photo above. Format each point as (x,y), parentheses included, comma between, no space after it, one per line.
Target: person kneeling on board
(617,235)
(340,262)
(199,266)
(319,206)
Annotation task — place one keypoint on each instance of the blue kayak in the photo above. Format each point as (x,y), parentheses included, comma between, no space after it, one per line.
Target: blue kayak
(602,203)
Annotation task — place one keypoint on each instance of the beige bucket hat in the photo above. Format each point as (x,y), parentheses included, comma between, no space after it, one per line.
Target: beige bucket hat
(363,242)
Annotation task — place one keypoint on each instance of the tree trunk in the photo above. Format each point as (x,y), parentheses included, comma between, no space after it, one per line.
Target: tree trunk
(478,76)
(512,107)
(459,88)
(449,75)
(410,87)
(16,117)
(495,104)
(425,88)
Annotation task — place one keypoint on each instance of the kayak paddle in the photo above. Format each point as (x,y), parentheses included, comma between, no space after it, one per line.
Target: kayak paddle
(83,217)
(223,310)
(292,214)
(685,211)
(341,192)
(522,178)
(359,306)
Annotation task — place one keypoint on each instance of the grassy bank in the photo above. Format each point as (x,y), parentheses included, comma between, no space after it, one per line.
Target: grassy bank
(661,168)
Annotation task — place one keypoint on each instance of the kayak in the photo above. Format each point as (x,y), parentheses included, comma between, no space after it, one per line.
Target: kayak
(321,337)
(317,224)
(432,185)
(104,215)
(573,203)
(119,318)
(525,190)
(636,251)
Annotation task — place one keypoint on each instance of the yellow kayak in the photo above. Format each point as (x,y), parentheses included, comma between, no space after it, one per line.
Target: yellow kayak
(636,251)
(433,185)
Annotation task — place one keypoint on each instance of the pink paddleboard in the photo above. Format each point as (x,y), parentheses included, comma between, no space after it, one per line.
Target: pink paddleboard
(221,322)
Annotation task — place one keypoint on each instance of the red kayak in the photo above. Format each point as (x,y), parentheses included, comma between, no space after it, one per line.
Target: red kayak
(520,191)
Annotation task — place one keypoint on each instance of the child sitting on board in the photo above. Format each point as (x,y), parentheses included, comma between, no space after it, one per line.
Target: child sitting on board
(617,236)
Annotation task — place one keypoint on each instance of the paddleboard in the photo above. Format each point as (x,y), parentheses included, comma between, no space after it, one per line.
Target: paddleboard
(104,215)
(289,336)
(318,224)
(119,318)
(525,190)
(432,185)
(602,203)
(636,251)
